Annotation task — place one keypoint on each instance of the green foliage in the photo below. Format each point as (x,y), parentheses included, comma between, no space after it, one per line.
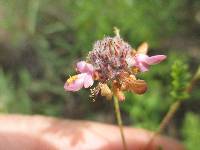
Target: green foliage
(148,109)
(12,98)
(16,98)
(46,38)
(6,91)
(191,131)
(133,17)
(180,80)
(144,110)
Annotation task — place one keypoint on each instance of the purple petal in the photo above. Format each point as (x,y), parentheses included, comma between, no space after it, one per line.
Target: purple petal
(81,66)
(75,85)
(84,67)
(140,62)
(155,59)
(89,68)
(143,61)
(143,67)
(88,81)
(82,80)
(141,58)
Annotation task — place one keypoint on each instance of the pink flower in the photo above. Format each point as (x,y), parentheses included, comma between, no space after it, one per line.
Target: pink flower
(143,61)
(84,79)
(114,65)
(84,67)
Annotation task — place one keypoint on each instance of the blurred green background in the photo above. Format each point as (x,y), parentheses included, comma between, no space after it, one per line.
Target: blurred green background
(40,40)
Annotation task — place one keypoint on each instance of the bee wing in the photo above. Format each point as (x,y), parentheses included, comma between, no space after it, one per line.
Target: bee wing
(143,48)
(138,86)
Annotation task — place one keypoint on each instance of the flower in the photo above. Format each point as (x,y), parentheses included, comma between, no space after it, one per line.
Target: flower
(114,64)
(108,57)
(143,61)
(84,79)
(84,67)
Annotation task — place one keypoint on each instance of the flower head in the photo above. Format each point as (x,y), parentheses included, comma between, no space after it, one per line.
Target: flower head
(114,64)
(109,57)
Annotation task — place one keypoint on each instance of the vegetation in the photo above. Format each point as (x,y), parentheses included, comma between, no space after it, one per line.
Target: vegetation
(41,39)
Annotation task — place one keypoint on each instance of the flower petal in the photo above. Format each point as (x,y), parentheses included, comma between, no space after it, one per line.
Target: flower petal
(88,81)
(141,58)
(79,81)
(81,66)
(143,61)
(155,59)
(143,48)
(143,67)
(76,84)
(84,67)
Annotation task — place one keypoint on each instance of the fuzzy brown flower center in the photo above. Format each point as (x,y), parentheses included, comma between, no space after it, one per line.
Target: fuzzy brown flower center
(109,57)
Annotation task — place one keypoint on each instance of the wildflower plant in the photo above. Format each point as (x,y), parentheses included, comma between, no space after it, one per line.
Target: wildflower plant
(180,80)
(112,67)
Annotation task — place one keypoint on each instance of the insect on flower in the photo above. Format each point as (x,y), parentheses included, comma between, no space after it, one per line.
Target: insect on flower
(113,65)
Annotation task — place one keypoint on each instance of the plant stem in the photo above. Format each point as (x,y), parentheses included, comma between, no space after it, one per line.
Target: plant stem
(119,121)
(173,109)
(164,122)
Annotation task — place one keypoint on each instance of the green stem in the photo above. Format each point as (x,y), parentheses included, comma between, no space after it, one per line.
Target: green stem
(119,121)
